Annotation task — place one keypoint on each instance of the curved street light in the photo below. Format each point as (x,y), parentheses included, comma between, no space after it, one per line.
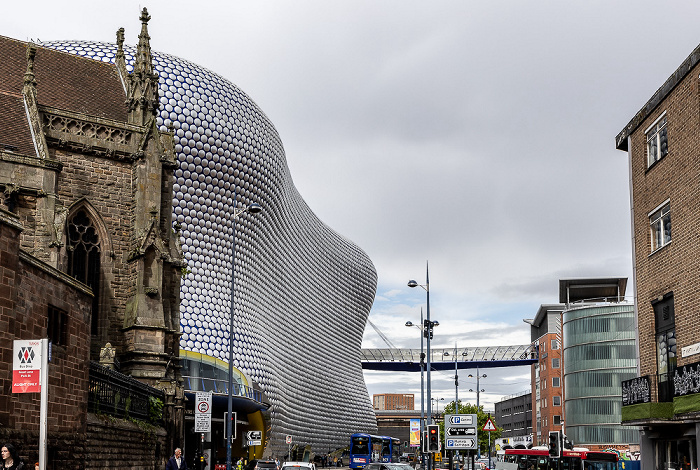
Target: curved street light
(253,208)
(427,329)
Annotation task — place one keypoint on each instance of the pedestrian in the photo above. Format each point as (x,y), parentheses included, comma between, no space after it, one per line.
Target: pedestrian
(11,458)
(176,462)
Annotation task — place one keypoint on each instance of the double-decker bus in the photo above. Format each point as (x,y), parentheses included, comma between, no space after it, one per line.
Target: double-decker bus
(538,458)
(367,448)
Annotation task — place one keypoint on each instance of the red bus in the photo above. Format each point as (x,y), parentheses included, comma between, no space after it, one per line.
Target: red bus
(537,458)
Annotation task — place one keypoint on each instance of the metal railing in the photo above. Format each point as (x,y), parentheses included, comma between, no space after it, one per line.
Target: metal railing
(205,384)
(120,395)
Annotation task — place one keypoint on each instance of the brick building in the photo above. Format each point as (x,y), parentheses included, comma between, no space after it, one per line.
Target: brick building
(89,255)
(546,374)
(393,401)
(662,141)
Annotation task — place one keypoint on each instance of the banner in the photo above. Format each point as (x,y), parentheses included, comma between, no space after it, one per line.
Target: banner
(26,366)
(415,432)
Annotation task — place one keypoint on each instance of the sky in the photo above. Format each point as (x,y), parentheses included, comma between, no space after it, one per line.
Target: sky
(476,136)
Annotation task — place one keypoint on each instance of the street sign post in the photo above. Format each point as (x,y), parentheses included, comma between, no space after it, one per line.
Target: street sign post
(461,432)
(202,412)
(254,438)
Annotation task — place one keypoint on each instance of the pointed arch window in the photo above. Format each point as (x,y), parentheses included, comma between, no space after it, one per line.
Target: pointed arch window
(83,249)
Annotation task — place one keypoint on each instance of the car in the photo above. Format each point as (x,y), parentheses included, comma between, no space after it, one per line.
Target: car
(387,466)
(266,465)
(298,466)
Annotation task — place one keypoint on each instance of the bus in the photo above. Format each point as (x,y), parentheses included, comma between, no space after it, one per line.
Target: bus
(391,449)
(364,449)
(538,458)
(367,448)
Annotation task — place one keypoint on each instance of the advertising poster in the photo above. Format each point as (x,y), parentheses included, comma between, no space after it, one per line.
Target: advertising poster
(415,432)
(26,366)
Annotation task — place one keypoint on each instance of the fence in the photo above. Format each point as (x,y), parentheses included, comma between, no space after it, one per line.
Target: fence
(120,395)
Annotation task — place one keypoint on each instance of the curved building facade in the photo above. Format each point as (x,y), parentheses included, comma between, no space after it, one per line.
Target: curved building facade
(599,353)
(302,291)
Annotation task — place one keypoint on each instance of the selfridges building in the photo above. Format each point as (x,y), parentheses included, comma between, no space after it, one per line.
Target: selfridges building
(302,291)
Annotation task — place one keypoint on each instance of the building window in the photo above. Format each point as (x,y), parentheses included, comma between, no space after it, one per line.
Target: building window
(657,141)
(555,344)
(556,420)
(555,382)
(56,326)
(666,353)
(556,400)
(83,249)
(555,362)
(660,224)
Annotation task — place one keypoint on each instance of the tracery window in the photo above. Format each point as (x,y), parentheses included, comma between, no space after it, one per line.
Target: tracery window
(83,250)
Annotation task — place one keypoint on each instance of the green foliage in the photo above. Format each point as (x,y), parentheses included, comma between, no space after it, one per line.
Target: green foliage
(155,410)
(481,418)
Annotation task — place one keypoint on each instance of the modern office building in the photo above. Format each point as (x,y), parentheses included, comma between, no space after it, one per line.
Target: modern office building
(585,348)
(514,416)
(393,401)
(301,292)
(662,141)
(599,353)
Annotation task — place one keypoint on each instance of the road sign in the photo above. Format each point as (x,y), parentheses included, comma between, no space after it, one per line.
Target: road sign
(254,438)
(202,412)
(460,420)
(457,427)
(461,444)
(456,432)
(489,426)
(26,366)
(289,439)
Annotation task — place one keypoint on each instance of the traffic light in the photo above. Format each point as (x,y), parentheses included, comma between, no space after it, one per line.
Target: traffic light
(433,438)
(554,444)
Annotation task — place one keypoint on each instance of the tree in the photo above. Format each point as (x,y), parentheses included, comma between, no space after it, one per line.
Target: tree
(481,417)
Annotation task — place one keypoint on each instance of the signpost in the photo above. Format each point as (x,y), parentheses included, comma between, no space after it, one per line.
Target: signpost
(461,432)
(254,438)
(489,426)
(202,412)
(289,447)
(30,374)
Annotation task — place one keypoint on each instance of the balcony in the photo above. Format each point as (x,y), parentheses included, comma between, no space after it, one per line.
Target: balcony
(662,397)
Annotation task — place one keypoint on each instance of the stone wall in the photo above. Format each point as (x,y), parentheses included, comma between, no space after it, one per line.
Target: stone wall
(117,444)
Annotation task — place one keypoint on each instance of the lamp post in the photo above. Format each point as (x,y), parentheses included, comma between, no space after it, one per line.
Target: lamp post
(478,450)
(253,209)
(422,387)
(437,407)
(427,334)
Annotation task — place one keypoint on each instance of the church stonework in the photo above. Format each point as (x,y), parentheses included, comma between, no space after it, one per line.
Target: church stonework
(86,178)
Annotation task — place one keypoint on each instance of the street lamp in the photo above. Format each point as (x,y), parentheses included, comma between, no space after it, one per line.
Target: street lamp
(427,332)
(253,208)
(422,386)
(437,407)
(478,451)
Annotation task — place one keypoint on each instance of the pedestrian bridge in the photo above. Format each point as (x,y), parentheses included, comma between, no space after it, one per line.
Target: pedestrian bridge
(408,360)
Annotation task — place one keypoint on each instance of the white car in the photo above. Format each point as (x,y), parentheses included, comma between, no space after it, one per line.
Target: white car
(298,466)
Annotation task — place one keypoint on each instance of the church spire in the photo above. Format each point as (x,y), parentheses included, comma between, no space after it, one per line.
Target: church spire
(143,81)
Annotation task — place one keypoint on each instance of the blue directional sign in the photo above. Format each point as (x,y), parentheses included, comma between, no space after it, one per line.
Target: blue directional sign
(457,428)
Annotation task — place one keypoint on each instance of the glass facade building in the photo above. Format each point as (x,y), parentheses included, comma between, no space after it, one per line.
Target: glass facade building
(599,353)
(302,291)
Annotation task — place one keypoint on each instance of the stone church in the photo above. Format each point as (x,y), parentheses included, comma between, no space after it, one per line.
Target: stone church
(89,256)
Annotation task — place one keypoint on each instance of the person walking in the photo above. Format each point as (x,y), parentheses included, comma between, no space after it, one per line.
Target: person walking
(176,462)
(11,460)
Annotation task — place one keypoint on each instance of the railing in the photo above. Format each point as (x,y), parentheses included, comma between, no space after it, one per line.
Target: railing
(120,395)
(646,389)
(204,384)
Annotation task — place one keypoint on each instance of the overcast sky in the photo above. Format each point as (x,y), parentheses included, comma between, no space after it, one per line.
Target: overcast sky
(476,135)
